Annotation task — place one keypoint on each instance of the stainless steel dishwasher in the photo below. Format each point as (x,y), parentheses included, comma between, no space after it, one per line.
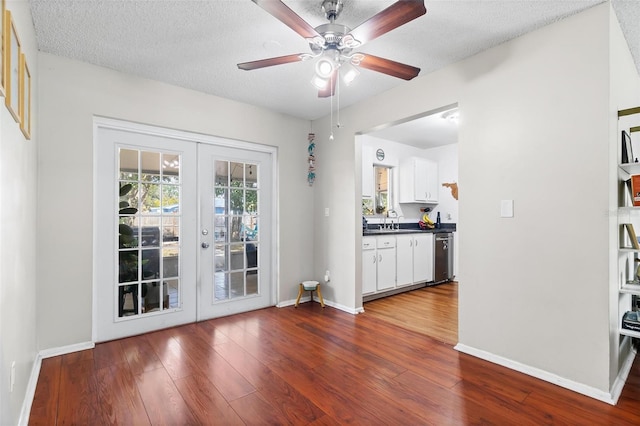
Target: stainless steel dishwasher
(443,257)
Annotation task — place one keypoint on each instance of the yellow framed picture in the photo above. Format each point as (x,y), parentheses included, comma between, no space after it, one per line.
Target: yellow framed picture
(3,8)
(11,67)
(25,97)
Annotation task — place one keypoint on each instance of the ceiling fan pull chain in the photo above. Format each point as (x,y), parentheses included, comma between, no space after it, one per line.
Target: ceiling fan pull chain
(331,111)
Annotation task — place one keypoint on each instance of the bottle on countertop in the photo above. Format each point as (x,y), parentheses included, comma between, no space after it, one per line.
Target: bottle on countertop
(438,224)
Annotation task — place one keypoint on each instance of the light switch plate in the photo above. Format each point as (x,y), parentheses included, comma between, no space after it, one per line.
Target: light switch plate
(506,208)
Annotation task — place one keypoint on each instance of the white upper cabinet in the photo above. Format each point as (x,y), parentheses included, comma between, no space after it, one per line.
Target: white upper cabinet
(418,181)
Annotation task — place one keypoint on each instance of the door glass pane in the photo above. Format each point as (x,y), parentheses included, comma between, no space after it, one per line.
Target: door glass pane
(236,174)
(237,201)
(149,232)
(236,218)
(171,168)
(222,173)
(150,166)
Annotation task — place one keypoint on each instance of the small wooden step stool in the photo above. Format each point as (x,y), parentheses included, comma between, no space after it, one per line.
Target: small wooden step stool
(310,286)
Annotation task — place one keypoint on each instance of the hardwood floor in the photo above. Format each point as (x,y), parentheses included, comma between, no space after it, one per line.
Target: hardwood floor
(304,366)
(430,310)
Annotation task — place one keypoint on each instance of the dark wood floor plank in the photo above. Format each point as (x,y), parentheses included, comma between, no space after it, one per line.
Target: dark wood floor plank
(206,403)
(77,356)
(226,379)
(406,400)
(175,360)
(569,409)
(107,354)
(335,403)
(140,355)
(45,400)
(255,410)
(162,400)
(308,366)
(119,400)
(278,392)
(77,400)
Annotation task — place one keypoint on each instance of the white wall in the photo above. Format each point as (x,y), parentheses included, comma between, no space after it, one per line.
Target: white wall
(71,93)
(447,158)
(535,129)
(18,166)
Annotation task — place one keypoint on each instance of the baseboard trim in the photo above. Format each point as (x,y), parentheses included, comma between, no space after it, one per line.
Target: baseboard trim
(352,311)
(539,374)
(63,350)
(331,303)
(30,393)
(25,412)
(623,374)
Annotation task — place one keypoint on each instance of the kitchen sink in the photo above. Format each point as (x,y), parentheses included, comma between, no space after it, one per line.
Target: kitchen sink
(391,231)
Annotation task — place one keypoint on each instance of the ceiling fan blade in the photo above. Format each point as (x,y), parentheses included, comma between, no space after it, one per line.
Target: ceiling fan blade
(387,66)
(381,23)
(330,90)
(288,17)
(262,63)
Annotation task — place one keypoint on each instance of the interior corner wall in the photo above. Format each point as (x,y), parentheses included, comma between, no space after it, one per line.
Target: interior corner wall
(18,171)
(71,94)
(534,129)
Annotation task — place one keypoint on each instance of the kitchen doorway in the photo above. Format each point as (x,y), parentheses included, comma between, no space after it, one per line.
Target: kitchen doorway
(411,149)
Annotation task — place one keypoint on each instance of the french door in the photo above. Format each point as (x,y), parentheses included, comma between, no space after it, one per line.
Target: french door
(235,230)
(182,230)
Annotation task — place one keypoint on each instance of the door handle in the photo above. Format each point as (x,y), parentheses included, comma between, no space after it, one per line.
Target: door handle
(205,245)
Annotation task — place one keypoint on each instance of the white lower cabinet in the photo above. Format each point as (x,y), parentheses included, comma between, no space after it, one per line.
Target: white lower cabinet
(378,264)
(422,258)
(415,258)
(386,251)
(395,261)
(404,247)
(369,264)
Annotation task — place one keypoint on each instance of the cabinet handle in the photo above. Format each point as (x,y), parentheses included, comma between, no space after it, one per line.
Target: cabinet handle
(374,258)
(410,243)
(380,258)
(416,243)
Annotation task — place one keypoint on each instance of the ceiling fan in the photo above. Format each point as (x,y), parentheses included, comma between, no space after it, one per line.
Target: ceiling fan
(333,43)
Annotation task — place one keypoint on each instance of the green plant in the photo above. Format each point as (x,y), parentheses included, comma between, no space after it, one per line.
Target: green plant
(128,259)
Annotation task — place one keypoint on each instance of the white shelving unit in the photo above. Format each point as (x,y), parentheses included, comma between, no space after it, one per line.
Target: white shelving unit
(626,290)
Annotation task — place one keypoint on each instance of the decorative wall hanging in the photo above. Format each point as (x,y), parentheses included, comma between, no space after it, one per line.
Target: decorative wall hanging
(311,176)
(12,67)
(25,97)
(2,48)
(453,186)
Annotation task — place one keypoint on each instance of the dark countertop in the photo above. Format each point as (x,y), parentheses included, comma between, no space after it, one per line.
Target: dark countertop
(407,228)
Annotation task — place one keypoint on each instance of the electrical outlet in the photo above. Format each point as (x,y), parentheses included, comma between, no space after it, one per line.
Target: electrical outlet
(13,375)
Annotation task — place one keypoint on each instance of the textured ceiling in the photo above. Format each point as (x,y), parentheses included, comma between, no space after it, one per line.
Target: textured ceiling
(196,44)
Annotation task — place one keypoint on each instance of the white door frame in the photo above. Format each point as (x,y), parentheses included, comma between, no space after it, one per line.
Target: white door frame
(128,126)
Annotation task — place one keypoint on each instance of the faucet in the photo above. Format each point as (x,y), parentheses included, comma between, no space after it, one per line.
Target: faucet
(390,214)
(398,221)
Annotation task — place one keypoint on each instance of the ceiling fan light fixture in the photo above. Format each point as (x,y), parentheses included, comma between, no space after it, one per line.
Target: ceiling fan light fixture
(319,82)
(324,67)
(349,73)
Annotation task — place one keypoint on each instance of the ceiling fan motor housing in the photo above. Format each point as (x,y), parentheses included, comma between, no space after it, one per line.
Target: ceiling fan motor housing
(332,9)
(332,35)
